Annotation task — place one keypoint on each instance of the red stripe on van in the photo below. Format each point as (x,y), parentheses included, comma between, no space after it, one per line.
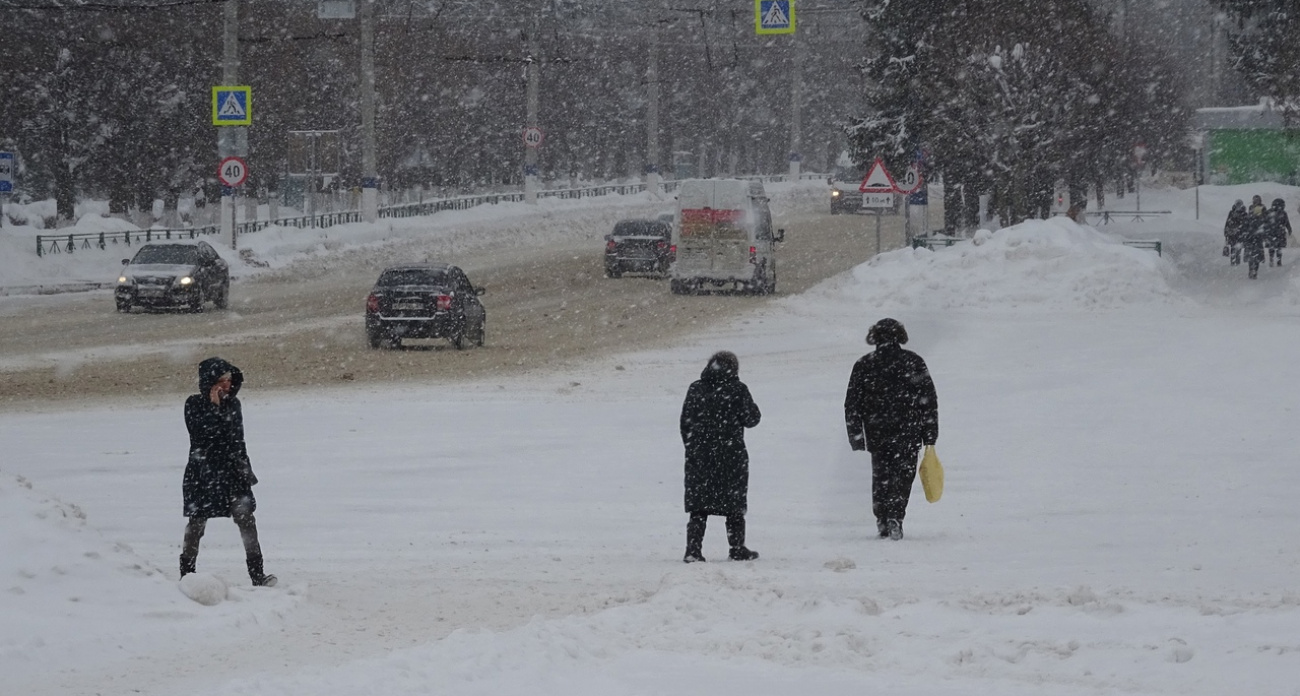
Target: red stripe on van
(711,215)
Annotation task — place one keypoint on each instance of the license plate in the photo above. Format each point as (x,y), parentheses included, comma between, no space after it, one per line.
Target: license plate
(408,306)
(151,292)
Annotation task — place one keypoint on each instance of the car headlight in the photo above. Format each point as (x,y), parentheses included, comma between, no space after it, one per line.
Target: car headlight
(123,280)
(835,193)
(186,280)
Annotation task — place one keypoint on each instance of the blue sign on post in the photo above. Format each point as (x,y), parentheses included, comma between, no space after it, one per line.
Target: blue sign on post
(232,106)
(774,16)
(921,197)
(6,172)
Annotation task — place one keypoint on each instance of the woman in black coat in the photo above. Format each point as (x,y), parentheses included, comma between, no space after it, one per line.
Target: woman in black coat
(717,410)
(218,476)
(891,410)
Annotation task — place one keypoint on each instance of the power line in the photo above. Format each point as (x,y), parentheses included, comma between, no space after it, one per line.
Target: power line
(102,6)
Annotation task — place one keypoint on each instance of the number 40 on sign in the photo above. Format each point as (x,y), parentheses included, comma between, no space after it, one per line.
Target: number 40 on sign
(232,172)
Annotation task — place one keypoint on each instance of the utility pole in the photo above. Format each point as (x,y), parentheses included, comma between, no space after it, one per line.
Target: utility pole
(232,141)
(652,178)
(533,77)
(369,168)
(796,110)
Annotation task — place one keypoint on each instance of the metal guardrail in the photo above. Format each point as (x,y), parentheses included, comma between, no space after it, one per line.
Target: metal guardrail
(937,241)
(69,243)
(1152,244)
(934,241)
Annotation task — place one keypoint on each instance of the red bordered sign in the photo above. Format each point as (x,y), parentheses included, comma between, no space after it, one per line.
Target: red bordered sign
(232,172)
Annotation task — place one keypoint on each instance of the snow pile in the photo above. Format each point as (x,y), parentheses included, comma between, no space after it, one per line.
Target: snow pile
(67,593)
(712,626)
(1051,264)
(205,588)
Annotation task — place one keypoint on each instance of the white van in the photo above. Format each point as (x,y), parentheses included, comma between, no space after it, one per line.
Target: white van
(723,237)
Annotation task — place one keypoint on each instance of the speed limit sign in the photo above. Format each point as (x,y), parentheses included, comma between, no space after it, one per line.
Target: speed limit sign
(533,136)
(232,172)
(911,180)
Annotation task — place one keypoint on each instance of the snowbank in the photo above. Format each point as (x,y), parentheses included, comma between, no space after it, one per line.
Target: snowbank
(68,593)
(1043,264)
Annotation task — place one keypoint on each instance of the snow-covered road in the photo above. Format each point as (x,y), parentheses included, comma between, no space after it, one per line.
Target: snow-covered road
(1118,518)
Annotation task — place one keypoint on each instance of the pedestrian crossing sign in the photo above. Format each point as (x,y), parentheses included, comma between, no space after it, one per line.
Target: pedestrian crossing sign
(774,16)
(232,106)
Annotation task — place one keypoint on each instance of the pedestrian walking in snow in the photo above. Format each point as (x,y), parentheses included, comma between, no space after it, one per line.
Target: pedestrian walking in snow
(1234,232)
(717,410)
(218,476)
(1278,228)
(1254,236)
(891,410)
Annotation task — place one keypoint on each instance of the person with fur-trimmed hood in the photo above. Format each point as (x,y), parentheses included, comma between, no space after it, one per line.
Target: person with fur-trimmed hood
(219,478)
(891,410)
(717,410)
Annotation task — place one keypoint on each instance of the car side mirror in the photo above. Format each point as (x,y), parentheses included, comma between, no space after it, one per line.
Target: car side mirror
(780,235)
(126,262)
(480,291)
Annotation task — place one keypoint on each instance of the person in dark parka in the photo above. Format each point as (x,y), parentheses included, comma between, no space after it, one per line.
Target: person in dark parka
(891,410)
(717,410)
(1234,231)
(1277,228)
(219,478)
(1254,236)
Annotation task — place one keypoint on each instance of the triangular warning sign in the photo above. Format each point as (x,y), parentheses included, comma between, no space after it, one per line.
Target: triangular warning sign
(878,180)
(231,107)
(775,17)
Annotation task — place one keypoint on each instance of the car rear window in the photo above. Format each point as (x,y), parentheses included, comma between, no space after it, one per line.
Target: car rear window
(166,253)
(641,228)
(416,276)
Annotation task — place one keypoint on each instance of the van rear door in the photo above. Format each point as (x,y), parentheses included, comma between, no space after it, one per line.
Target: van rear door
(714,232)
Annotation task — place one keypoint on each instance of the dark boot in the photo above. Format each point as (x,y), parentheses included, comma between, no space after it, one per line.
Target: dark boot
(255,573)
(895,529)
(882,529)
(736,538)
(695,538)
(189,564)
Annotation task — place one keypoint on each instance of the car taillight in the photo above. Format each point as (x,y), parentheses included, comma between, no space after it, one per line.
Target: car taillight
(673,250)
(372,303)
(753,254)
(662,244)
(444,301)
(610,245)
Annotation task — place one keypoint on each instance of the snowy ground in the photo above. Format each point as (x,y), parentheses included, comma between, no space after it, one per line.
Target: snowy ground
(1118,431)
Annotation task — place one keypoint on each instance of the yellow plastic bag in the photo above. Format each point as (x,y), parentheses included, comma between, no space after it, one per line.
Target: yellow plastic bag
(931,475)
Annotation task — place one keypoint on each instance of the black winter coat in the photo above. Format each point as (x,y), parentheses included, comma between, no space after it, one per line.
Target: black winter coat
(891,402)
(218,472)
(1277,226)
(1234,229)
(717,410)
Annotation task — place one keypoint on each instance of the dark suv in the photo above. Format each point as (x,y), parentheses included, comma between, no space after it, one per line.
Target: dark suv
(173,274)
(431,300)
(639,246)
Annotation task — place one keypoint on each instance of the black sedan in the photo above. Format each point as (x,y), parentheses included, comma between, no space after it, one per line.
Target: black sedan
(173,274)
(639,246)
(430,300)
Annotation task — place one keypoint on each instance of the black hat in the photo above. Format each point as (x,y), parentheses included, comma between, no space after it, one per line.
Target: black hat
(887,331)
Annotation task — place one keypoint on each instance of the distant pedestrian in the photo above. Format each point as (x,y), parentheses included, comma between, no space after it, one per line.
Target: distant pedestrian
(1234,232)
(219,478)
(1277,229)
(892,410)
(717,410)
(1254,235)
